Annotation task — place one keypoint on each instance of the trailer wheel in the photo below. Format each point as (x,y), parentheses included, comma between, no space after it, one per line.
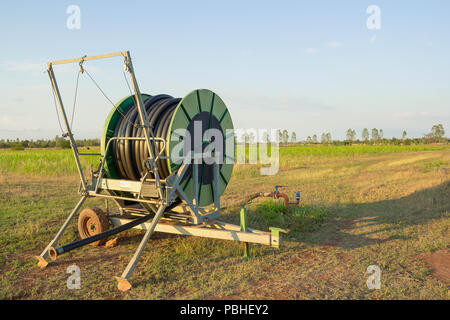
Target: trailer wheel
(92,221)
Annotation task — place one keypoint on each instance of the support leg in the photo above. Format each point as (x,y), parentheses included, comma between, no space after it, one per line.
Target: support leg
(244,228)
(123,283)
(41,258)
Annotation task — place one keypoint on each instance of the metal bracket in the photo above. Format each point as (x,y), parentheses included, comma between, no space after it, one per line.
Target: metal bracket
(275,236)
(126,65)
(81,64)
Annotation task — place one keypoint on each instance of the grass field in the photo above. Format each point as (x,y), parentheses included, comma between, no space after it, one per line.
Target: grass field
(361,206)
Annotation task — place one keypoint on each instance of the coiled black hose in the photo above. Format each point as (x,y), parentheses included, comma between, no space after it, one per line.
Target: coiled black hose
(129,155)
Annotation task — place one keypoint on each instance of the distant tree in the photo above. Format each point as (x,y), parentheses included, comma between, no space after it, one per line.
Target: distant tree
(375,135)
(285,136)
(25,143)
(351,134)
(309,140)
(314,139)
(293,137)
(404,133)
(381,134)
(60,142)
(279,136)
(437,131)
(86,142)
(365,134)
(323,138)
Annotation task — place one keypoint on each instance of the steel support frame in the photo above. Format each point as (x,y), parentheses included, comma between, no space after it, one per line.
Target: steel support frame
(214,230)
(149,138)
(148,133)
(193,206)
(123,282)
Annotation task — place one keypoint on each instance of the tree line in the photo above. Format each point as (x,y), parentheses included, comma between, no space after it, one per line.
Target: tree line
(374,136)
(58,142)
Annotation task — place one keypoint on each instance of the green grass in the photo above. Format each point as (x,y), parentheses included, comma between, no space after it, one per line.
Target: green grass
(45,162)
(328,151)
(302,218)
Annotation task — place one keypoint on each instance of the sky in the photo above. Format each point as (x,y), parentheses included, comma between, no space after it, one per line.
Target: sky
(305,66)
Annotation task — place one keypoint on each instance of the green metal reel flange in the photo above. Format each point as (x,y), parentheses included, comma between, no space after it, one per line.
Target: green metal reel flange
(108,132)
(201,103)
(209,104)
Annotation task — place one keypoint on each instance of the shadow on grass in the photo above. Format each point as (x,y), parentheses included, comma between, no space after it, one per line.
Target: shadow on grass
(390,216)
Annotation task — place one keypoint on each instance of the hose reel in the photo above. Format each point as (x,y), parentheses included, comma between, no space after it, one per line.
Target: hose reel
(125,159)
(124,170)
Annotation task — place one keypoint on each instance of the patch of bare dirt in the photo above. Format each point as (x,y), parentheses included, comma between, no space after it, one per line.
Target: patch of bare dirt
(439,262)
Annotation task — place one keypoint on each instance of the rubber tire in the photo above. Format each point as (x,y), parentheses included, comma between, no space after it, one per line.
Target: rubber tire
(99,219)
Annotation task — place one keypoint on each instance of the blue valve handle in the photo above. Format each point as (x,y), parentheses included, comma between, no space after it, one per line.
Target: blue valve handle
(276,190)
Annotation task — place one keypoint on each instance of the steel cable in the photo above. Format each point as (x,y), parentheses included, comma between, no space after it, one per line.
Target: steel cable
(57,112)
(75,100)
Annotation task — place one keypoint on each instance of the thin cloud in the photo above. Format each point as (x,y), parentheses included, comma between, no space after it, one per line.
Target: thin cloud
(23,66)
(312,50)
(334,44)
(287,102)
(7,122)
(39,67)
(410,115)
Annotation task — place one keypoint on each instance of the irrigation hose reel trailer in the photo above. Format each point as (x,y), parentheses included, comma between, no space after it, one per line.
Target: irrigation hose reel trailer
(151,191)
